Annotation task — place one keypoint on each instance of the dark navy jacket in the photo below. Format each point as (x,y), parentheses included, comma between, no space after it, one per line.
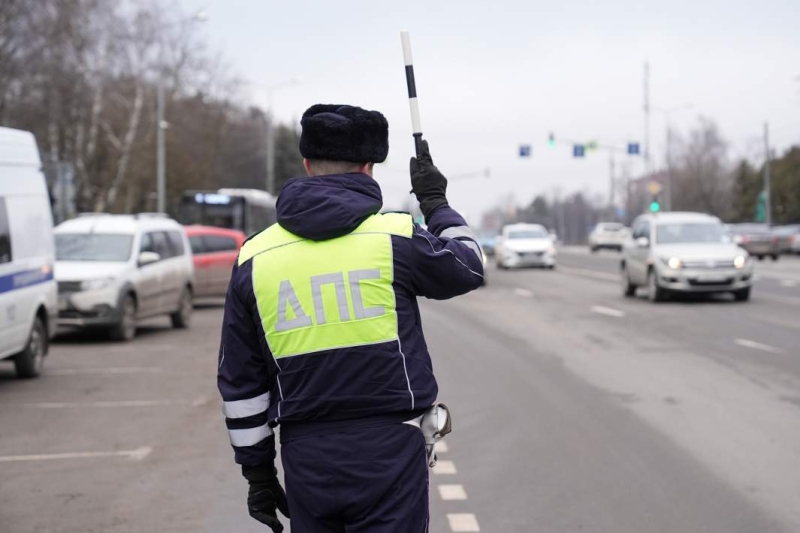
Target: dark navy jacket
(354,385)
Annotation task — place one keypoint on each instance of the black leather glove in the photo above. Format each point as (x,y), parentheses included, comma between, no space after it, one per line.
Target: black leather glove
(427,183)
(266,496)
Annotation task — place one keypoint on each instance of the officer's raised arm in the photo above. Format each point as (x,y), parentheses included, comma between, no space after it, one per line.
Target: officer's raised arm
(447,260)
(244,379)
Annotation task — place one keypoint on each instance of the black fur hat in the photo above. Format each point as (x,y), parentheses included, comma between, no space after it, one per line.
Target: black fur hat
(344,133)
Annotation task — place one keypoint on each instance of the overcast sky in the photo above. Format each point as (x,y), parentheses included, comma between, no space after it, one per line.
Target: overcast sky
(493,75)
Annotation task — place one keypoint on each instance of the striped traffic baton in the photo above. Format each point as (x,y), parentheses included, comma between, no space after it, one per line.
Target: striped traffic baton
(412,92)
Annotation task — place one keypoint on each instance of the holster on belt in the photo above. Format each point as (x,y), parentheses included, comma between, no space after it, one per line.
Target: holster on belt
(435,423)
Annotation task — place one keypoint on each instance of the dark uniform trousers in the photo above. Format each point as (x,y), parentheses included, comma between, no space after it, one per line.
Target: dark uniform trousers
(358,480)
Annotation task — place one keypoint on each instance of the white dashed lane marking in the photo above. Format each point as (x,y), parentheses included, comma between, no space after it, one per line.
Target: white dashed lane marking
(124,403)
(463,522)
(757,346)
(136,455)
(104,371)
(444,468)
(525,293)
(788,283)
(441,447)
(452,492)
(608,311)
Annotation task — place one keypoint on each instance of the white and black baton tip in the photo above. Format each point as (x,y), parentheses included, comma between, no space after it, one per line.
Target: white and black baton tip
(416,126)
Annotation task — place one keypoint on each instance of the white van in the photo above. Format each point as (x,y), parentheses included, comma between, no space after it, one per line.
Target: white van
(28,297)
(113,270)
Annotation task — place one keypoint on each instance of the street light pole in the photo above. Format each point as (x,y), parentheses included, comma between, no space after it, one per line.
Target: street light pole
(162,124)
(767,180)
(161,160)
(667,120)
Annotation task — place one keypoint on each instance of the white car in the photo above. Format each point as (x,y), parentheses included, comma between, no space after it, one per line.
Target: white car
(28,300)
(684,252)
(113,270)
(522,245)
(608,235)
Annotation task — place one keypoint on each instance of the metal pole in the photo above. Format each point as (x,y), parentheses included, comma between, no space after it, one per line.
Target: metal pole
(161,173)
(270,160)
(647,118)
(611,185)
(767,184)
(668,192)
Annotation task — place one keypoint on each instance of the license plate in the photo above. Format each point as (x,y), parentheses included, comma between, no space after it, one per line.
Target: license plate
(712,279)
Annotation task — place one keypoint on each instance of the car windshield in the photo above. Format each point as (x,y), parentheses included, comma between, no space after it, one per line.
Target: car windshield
(690,233)
(533,233)
(610,227)
(93,247)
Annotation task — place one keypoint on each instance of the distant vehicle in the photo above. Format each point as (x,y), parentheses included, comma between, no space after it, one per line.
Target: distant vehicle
(488,244)
(215,251)
(788,238)
(28,299)
(684,252)
(113,270)
(758,239)
(608,235)
(522,245)
(245,210)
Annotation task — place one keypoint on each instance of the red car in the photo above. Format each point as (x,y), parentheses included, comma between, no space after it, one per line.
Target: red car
(215,251)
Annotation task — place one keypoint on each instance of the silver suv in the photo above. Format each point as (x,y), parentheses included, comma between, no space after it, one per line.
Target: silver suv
(684,252)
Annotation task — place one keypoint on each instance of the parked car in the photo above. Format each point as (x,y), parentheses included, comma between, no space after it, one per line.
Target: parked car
(488,244)
(684,252)
(608,235)
(28,299)
(758,239)
(788,238)
(522,245)
(113,270)
(215,251)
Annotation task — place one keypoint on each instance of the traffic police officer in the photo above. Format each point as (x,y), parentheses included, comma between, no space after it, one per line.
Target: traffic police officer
(322,335)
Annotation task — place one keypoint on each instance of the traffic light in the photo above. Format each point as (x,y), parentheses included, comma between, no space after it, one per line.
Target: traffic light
(655,206)
(551,140)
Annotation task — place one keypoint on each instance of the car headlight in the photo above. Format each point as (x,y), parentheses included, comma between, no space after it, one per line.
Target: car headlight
(551,250)
(740,261)
(673,262)
(96,284)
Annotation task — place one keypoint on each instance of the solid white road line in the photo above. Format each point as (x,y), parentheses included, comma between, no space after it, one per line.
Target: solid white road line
(757,346)
(600,310)
(525,293)
(104,371)
(124,403)
(441,447)
(136,455)
(463,522)
(452,492)
(444,467)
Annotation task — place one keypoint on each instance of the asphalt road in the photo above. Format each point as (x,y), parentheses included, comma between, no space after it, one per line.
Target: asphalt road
(575,410)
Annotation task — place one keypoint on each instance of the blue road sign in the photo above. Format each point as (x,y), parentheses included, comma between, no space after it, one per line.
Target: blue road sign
(524,150)
(578,150)
(633,148)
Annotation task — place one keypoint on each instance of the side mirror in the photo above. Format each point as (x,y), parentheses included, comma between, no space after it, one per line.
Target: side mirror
(643,242)
(146,258)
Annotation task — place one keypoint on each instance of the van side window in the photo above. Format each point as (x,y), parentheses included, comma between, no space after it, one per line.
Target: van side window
(160,244)
(147,244)
(5,234)
(175,242)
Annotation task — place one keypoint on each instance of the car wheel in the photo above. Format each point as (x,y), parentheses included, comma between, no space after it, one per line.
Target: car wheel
(28,363)
(654,292)
(593,249)
(742,295)
(628,288)
(183,316)
(125,329)
(760,257)
(775,257)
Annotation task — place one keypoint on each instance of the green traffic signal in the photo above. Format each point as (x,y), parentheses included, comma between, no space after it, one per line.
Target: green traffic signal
(655,207)
(551,140)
